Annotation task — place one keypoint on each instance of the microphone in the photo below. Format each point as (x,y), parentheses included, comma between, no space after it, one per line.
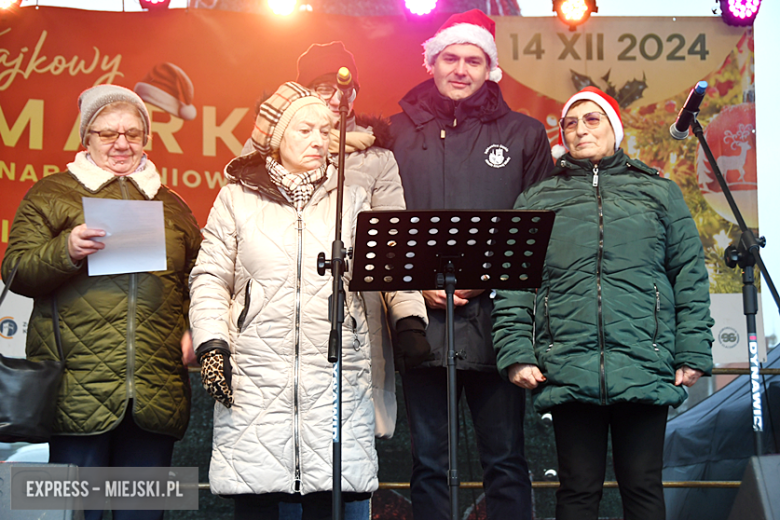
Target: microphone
(679,128)
(344,80)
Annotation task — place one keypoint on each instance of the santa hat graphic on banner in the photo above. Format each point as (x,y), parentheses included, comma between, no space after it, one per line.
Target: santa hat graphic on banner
(472,27)
(168,87)
(606,102)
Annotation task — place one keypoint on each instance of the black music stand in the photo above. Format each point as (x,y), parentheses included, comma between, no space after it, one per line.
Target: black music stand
(420,250)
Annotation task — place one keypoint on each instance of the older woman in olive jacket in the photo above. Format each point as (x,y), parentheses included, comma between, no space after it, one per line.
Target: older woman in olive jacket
(125,395)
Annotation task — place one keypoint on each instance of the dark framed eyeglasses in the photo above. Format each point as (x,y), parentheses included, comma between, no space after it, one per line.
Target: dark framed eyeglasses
(591,119)
(109,136)
(325,91)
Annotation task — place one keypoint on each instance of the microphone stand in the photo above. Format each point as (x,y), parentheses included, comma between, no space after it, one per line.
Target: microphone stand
(747,255)
(338,266)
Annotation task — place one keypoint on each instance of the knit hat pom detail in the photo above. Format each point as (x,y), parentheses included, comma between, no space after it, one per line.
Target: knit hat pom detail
(558,151)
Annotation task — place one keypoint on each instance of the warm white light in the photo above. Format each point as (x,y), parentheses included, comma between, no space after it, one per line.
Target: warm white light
(6,4)
(282,7)
(574,9)
(420,7)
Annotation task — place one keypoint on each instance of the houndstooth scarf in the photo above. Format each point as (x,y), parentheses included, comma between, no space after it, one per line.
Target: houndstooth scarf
(298,186)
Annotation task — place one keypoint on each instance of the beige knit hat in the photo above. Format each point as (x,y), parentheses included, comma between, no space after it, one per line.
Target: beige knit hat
(95,99)
(276,112)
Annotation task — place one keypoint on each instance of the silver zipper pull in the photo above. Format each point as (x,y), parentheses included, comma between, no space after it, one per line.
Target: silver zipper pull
(596,176)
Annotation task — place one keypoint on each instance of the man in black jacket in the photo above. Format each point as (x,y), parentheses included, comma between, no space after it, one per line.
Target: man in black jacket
(459,146)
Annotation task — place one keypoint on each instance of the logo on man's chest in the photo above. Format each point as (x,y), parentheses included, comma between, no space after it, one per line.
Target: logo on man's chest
(497,155)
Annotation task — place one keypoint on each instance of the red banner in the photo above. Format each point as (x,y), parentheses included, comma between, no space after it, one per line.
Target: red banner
(48,56)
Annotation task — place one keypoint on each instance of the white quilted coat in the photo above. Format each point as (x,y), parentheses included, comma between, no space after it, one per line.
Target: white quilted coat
(257,269)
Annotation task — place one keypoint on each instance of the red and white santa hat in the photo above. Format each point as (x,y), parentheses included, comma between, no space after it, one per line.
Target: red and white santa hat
(472,27)
(168,87)
(606,102)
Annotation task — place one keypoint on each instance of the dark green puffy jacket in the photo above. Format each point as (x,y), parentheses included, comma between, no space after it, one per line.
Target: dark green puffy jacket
(624,300)
(120,333)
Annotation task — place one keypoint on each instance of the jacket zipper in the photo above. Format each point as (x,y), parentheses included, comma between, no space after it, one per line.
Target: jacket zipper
(297,329)
(547,318)
(602,369)
(132,303)
(245,310)
(656,310)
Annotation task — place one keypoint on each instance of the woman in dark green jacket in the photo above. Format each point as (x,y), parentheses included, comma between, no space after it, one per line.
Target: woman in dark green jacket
(621,322)
(125,396)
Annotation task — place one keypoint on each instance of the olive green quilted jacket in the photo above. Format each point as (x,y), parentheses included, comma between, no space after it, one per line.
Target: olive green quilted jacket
(120,333)
(624,300)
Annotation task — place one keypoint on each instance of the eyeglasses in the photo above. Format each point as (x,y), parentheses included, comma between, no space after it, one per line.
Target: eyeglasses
(591,119)
(326,91)
(109,136)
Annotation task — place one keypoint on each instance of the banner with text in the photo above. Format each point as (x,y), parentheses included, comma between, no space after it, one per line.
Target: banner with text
(48,56)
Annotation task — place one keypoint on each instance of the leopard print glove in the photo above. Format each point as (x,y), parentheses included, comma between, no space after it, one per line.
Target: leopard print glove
(212,373)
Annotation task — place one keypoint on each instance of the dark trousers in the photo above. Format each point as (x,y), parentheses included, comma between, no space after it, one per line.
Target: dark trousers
(315,506)
(127,445)
(497,409)
(637,449)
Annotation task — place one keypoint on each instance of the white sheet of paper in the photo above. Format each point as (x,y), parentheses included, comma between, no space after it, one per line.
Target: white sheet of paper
(135,235)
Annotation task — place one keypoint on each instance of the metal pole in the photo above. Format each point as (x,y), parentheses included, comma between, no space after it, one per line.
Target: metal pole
(452,391)
(746,255)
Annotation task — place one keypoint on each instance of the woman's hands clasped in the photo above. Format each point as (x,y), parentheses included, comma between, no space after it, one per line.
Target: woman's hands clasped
(687,376)
(525,375)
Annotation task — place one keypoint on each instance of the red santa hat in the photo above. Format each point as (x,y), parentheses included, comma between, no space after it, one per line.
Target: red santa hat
(168,87)
(472,27)
(606,102)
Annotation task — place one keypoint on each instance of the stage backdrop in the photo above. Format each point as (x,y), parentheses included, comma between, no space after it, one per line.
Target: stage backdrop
(49,55)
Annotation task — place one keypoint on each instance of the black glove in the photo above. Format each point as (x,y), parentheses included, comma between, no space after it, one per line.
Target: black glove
(216,374)
(411,347)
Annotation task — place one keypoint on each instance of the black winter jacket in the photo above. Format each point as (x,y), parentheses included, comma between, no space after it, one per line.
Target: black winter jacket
(475,153)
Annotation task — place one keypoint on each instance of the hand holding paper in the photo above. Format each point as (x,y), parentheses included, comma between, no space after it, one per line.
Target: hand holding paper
(80,243)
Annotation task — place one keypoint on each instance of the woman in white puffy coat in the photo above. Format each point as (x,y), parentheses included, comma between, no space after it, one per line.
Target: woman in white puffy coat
(259,315)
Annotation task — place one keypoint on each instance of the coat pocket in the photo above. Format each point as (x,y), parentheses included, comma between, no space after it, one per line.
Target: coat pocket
(247,302)
(250,302)
(551,342)
(656,316)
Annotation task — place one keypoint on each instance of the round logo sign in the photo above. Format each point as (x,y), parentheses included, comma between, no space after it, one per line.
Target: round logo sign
(728,337)
(8,327)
